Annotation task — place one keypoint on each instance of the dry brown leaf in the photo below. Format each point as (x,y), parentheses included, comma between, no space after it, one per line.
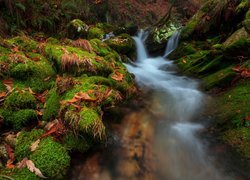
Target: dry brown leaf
(10,153)
(245,73)
(22,163)
(117,76)
(10,164)
(8,84)
(34,145)
(31,166)
(3,94)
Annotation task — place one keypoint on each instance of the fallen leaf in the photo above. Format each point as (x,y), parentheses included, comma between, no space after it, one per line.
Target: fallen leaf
(22,163)
(10,164)
(3,94)
(15,49)
(30,91)
(81,96)
(117,76)
(8,84)
(56,129)
(245,73)
(31,166)
(108,93)
(39,113)
(10,153)
(34,146)
(184,61)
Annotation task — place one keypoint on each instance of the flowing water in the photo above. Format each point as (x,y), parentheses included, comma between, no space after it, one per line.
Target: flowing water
(160,141)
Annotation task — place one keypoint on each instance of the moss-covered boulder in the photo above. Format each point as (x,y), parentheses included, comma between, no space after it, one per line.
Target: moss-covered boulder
(24,141)
(52,106)
(50,156)
(213,15)
(77,28)
(20,100)
(24,43)
(95,32)
(18,119)
(122,44)
(238,44)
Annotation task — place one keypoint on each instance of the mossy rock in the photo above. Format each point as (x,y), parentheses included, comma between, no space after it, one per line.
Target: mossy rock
(24,141)
(18,174)
(184,49)
(52,106)
(77,61)
(24,43)
(51,158)
(122,44)
(87,121)
(76,143)
(20,100)
(77,28)
(95,33)
(233,105)
(106,27)
(222,78)
(237,44)
(239,138)
(101,48)
(37,74)
(19,119)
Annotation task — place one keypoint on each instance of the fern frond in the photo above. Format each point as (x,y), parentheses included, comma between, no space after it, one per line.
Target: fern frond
(84,44)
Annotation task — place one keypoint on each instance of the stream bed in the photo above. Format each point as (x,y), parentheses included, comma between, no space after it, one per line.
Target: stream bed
(159,141)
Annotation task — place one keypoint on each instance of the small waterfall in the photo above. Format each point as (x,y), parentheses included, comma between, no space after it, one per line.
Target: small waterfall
(172,43)
(141,51)
(181,154)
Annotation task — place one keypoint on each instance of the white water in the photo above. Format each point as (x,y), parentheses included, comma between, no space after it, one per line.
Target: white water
(181,154)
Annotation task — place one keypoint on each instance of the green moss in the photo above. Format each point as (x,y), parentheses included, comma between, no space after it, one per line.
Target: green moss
(52,106)
(4,50)
(77,28)
(90,122)
(184,49)
(233,106)
(20,119)
(52,40)
(240,138)
(2,87)
(123,43)
(24,141)
(218,46)
(22,71)
(95,33)
(24,43)
(75,143)
(51,158)
(24,174)
(221,78)
(106,27)
(20,100)
(18,174)
(192,24)
(100,47)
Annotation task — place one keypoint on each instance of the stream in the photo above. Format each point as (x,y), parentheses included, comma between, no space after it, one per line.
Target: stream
(159,141)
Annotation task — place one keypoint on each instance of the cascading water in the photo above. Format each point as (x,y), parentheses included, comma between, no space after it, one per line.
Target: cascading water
(181,154)
(157,141)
